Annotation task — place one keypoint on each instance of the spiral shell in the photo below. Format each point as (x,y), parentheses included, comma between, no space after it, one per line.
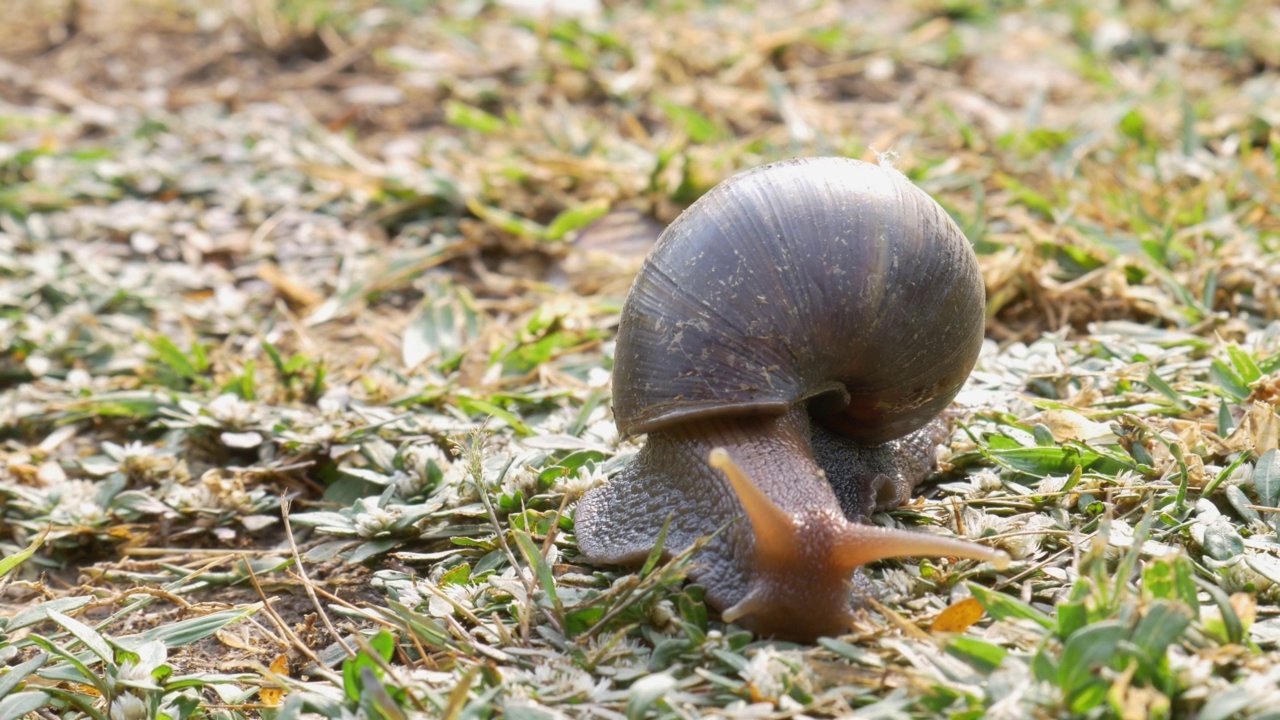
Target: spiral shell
(825,281)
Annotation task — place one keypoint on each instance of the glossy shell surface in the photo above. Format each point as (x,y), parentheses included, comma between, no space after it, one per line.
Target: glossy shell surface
(827,281)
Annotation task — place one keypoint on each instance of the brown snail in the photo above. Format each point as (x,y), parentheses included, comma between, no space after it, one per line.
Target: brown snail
(787,346)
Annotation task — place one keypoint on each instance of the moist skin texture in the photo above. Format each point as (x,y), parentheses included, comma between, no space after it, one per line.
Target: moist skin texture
(867,478)
(782,581)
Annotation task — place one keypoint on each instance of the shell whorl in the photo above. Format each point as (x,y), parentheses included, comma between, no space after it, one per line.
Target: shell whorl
(821,280)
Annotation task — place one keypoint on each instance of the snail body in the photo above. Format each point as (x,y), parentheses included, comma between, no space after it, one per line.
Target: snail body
(787,347)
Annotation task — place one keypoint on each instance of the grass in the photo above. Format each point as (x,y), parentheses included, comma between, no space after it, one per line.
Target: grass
(306,320)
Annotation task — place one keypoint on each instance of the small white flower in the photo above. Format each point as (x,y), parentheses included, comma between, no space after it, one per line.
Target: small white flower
(230,410)
(409,597)
(423,464)
(134,674)
(769,673)
(520,480)
(1024,532)
(136,449)
(455,596)
(662,614)
(188,497)
(373,519)
(75,502)
(78,379)
(128,706)
(151,655)
(587,477)
(226,493)
(986,481)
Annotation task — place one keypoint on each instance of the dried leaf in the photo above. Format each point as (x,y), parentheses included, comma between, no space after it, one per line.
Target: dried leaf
(959,616)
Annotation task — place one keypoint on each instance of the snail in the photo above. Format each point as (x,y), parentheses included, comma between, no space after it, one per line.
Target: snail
(787,347)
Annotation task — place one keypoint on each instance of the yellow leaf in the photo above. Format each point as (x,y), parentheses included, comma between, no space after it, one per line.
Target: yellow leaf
(959,617)
(272,694)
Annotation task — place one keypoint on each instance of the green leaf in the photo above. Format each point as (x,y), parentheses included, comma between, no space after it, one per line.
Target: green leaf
(459,574)
(693,607)
(1224,474)
(426,630)
(136,405)
(1222,542)
(84,634)
(1164,622)
(1266,479)
(851,652)
(72,669)
(186,632)
(353,677)
(10,680)
(575,218)
(187,368)
(1076,260)
(567,465)
(983,656)
(372,548)
(697,126)
(1246,368)
(1025,195)
(667,652)
(1158,384)
(243,384)
(464,116)
(1043,435)
(8,564)
(1072,616)
(384,643)
(1229,628)
(533,351)
(581,620)
(507,222)
(19,705)
(1058,460)
(376,700)
(655,555)
(1171,579)
(1086,651)
(40,613)
(1269,364)
(534,557)
(276,359)
(476,406)
(1227,379)
(1225,421)
(1005,607)
(1134,126)
(1044,666)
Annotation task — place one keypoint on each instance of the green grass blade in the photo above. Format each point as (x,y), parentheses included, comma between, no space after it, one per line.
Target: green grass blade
(10,680)
(8,564)
(19,705)
(85,634)
(540,568)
